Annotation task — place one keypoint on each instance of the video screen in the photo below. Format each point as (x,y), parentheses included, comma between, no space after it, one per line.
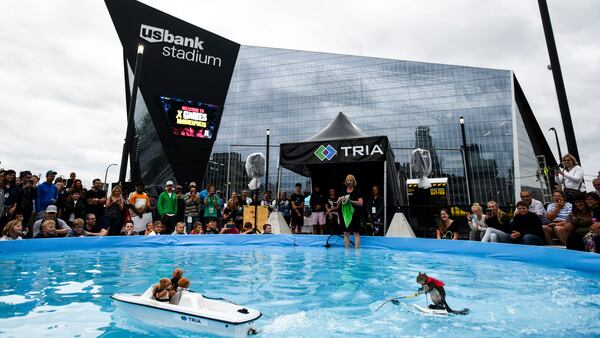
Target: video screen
(191,118)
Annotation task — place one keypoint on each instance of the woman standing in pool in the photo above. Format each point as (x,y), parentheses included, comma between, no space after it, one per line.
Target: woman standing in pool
(351,202)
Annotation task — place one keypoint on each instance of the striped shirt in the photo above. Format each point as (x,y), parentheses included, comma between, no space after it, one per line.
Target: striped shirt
(563,213)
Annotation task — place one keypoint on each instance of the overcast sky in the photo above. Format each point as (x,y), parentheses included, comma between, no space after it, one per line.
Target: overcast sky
(61,74)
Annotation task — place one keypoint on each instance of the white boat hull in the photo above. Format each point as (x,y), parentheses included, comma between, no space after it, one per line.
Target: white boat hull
(194,313)
(167,319)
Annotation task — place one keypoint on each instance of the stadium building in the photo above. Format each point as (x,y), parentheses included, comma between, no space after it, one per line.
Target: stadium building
(296,94)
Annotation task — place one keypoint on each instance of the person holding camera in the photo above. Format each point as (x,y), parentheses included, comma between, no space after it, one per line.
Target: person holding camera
(570,177)
(498,224)
(211,228)
(211,204)
(476,223)
(229,228)
(191,202)
(250,229)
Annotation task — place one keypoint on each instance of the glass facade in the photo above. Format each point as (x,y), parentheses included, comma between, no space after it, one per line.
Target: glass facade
(297,93)
(528,175)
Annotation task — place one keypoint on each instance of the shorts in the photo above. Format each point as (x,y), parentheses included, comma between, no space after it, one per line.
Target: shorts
(318,218)
(297,221)
(353,227)
(139,224)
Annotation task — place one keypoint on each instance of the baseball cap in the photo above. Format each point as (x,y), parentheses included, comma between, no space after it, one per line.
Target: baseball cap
(51,208)
(192,184)
(169,183)
(50,172)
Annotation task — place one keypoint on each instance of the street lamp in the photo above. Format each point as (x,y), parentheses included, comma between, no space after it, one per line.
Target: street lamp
(267,160)
(130,114)
(465,158)
(106,175)
(557,144)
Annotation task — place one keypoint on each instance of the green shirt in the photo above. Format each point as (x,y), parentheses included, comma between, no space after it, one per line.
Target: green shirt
(212,204)
(167,205)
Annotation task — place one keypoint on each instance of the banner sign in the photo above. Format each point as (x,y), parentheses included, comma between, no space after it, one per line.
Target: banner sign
(366,149)
(184,80)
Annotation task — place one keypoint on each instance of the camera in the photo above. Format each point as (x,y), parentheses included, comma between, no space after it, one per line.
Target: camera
(488,211)
(229,225)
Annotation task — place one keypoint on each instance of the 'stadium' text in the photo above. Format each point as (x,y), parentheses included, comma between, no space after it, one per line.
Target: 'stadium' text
(192,55)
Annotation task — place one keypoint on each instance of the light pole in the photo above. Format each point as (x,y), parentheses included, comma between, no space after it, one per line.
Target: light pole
(561,93)
(130,114)
(465,158)
(557,145)
(267,160)
(106,175)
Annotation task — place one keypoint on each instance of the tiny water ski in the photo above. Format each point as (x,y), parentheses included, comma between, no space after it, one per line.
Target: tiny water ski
(431,311)
(437,293)
(435,289)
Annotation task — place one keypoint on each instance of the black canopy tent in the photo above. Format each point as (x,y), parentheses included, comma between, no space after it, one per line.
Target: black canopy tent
(340,149)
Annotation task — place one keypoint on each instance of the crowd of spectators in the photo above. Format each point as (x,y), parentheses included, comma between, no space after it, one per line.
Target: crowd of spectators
(571,220)
(55,207)
(64,208)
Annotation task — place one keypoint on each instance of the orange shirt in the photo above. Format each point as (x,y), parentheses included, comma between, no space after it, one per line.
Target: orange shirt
(139,200)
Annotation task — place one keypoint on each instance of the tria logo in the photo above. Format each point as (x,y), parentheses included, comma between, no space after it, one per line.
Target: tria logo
(362,150)
(323,152)
(155,34)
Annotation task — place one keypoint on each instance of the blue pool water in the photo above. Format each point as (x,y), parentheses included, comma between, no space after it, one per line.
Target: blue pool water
(303,292)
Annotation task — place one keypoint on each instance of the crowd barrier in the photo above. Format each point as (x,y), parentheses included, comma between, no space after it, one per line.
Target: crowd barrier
(546,256)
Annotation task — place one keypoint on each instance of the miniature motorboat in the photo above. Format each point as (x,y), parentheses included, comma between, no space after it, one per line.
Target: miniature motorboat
(194,312)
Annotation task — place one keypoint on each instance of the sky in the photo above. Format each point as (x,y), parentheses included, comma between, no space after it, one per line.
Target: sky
(62,95)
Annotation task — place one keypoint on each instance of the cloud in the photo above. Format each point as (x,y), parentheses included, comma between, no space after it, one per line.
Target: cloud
(62,93)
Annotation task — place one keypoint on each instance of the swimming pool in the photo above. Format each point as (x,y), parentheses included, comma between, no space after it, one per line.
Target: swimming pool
(58,288)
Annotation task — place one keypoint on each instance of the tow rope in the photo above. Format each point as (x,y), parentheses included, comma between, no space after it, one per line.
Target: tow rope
(395,299)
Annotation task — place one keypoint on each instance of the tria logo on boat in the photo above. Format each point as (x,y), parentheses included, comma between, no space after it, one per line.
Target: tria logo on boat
(323,152)
(191,319)
(155,34)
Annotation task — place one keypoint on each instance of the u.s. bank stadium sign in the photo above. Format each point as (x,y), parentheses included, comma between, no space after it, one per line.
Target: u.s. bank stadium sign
(178,46)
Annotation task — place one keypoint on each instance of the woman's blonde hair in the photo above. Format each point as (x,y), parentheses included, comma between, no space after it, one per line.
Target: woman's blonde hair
(352,178)
(8,227)
(570,157)
(477,207)
(112,192)
(500,212)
